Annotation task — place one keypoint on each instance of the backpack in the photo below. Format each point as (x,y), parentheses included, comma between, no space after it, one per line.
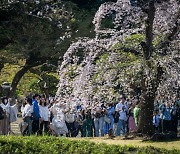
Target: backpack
(2,113)
(116,117)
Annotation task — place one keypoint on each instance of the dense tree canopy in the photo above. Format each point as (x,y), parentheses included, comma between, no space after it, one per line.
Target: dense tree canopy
(39,32)
(138,51)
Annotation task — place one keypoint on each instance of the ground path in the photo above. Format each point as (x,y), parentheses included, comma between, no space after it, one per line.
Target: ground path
(117,141)
(139,143)
(15,127)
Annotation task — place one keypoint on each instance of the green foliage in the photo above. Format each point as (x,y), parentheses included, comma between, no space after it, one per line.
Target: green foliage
(88,4)
(8,72)
(54,145)
(71,72)
(135,38)
(131,42)
(124,68)
(32,37)
(104,57)
(107,22)
(30,82)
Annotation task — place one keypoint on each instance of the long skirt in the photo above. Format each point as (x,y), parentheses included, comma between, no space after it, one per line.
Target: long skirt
(131,124)
(4,126)
(87,128)
(58,127)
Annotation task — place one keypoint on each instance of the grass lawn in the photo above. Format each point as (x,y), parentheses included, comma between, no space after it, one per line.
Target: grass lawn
(169,145)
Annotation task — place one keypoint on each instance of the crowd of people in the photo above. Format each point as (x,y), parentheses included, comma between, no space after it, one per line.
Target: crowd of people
(8,114)
(93,119)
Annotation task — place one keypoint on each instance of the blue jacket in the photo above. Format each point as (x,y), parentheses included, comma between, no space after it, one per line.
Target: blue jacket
(156,120)
(166,114)
(36,112)
(107,126)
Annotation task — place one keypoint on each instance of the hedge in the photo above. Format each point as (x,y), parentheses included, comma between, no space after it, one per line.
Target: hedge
(58,145)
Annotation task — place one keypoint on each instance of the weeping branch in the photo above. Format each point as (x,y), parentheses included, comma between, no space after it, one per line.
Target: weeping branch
(170,36)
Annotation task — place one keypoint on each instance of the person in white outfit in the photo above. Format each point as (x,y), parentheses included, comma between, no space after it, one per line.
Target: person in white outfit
(58,122)
(45,116)
(26,115)
(10,115)
(122,109)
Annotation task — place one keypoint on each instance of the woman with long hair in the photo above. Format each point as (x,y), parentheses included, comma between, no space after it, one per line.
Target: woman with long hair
(4,123)
(26,115)
(10,115)
(45,116)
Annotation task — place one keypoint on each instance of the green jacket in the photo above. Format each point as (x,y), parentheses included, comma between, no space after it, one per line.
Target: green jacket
(136,114)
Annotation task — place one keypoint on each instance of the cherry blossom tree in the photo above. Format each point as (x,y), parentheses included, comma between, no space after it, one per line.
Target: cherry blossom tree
(157,51)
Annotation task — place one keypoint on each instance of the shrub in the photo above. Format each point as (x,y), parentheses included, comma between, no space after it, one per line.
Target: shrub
(57,145)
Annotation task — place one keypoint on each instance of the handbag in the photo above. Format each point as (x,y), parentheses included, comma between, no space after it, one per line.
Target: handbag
(22,126)
(33,116)
(107,119)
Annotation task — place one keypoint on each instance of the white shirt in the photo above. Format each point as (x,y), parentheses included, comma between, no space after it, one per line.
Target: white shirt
(122,108)
(22,108)
(44,112)
(11,111)
(58,122)
(6,107)
(3,106)
(27,110)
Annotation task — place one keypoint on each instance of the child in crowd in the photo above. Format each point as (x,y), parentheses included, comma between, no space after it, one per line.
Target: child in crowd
(156,120)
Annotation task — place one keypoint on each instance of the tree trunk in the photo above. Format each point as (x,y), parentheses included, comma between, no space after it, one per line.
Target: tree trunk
(145,125)
(145,122)
(149,85)
(46,92)
(1,64)
(148,45)
(17,78)
(1,67)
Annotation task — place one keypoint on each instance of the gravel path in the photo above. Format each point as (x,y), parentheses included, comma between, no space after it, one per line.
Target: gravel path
(15,127)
